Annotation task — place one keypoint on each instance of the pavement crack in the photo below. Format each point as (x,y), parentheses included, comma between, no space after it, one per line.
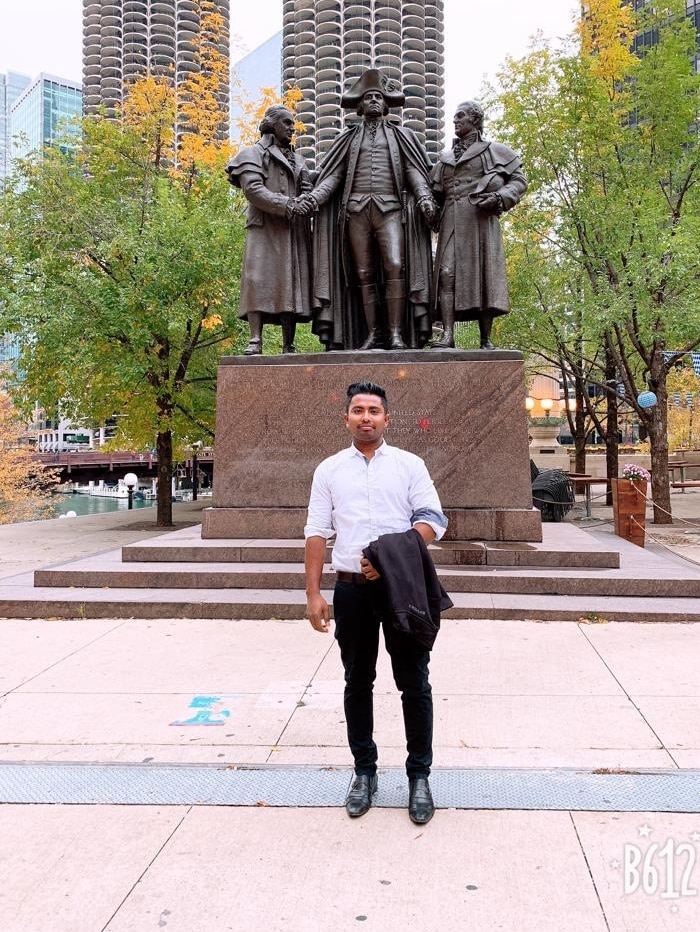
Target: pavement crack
(590,872)
(146,869)
(630,699)
(63,659)
(301,701)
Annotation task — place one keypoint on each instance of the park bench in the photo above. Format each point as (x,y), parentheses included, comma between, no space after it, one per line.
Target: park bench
(688,484)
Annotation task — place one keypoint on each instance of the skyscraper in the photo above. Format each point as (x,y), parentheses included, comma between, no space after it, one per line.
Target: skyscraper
(126,39)
(40,116)
(327,44)
(11,86)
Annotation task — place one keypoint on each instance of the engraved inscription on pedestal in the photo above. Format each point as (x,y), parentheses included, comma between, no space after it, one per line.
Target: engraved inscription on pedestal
(465,418)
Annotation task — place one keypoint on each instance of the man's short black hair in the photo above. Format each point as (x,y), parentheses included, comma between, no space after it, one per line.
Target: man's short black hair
(366,388)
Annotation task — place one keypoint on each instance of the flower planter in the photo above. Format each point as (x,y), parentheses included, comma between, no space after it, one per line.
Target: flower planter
(629,509)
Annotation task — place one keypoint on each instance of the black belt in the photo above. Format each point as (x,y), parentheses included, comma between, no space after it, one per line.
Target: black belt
(357,578)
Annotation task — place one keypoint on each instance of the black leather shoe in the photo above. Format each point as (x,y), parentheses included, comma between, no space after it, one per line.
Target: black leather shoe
(359,799)
(421,807)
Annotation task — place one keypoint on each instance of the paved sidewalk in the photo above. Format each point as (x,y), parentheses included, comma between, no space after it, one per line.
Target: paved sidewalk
(541,697)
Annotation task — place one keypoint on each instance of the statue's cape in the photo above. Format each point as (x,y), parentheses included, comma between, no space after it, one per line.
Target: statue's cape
(339,320)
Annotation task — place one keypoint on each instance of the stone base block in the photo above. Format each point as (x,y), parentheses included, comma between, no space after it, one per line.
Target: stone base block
(515,524)
(463,412)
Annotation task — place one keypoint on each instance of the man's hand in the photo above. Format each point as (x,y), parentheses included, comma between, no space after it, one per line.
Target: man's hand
(318,612)
(367,570)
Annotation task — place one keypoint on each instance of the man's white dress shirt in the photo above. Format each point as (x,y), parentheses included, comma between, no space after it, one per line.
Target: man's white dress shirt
(358,499)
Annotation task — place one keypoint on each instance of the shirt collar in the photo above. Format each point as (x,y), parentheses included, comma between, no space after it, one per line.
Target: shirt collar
(381,450)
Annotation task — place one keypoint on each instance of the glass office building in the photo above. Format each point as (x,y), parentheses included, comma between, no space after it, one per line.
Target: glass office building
(12,85)
(41,116)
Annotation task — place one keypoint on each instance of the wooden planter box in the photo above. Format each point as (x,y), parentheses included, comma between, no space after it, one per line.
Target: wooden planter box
(629,509)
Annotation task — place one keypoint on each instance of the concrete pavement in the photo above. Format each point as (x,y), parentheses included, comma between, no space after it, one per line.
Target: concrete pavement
(606,697)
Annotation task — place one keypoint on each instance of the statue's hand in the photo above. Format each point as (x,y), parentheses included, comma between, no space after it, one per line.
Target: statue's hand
(491,204)
(304,206)
(429,210)
(297,207)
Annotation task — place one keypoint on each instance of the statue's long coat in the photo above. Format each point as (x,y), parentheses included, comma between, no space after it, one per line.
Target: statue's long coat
(479,260)
(338,315)
(276,275)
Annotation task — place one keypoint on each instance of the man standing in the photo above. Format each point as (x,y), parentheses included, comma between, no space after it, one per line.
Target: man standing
(475,181)
(364,491)
(276,278)
(372,246)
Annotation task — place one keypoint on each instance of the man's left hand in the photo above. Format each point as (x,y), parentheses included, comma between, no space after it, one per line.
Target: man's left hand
(367,570)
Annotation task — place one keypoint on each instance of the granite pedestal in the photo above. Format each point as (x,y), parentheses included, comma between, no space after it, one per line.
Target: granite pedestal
(463,412)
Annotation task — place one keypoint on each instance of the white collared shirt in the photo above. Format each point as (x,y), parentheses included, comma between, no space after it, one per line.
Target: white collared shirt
(358,499)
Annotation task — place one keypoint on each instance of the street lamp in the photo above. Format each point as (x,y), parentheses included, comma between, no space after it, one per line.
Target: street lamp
(196,447)
(131,481)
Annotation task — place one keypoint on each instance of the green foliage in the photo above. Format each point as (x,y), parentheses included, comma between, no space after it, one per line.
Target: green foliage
(603,253)
(120,280)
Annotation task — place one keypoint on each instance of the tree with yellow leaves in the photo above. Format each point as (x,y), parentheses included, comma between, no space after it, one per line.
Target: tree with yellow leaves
(25,486)
(604,259)
(121,278)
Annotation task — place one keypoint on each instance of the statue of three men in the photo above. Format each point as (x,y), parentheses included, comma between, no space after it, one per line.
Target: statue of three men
(376,201)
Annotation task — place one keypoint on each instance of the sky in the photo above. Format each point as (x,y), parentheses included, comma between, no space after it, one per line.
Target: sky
(46,35)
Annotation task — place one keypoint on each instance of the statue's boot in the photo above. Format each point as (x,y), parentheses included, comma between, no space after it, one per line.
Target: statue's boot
(395,312)
(447,313)
(254,347)
(289,328)
(485,322)
(371,309)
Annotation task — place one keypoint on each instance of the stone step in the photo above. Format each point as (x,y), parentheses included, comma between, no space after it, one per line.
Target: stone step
(562,546)
(107,571)
(19,600)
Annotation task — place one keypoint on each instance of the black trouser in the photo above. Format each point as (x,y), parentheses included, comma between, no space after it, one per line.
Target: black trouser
(359,612)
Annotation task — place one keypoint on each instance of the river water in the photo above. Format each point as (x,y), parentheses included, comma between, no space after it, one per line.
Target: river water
(92,505)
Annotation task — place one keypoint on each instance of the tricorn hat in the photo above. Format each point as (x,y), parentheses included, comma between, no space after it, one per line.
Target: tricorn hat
(373,80)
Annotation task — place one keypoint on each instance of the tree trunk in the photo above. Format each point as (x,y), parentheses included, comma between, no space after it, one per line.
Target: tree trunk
(657,426)
(164,447)
(612,439)
(580,433)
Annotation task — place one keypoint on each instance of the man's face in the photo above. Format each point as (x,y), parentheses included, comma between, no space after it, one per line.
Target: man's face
(464,122)
(366,418)
(373,104)
(283,128)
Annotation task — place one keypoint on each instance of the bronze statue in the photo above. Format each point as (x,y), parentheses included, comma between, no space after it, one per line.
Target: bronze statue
(372,247)
(276,278)
(475,182)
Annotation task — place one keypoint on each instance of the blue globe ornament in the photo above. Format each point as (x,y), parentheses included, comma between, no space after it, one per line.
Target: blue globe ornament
(646,399)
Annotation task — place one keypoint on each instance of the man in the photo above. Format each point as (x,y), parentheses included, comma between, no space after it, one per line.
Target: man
(364,491)
(475,181)
(372,246)
(276,278)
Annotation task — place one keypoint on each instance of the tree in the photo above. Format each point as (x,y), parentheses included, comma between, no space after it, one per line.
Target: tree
(121,279)
(25,486)
(611,150)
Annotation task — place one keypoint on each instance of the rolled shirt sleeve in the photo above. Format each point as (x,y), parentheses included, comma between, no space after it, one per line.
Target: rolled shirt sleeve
(319,519)
(425,502)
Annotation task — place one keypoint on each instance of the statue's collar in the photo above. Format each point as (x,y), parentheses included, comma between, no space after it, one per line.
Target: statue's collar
(471,152)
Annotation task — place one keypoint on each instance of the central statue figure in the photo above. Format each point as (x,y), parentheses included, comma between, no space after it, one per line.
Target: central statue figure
(372,249)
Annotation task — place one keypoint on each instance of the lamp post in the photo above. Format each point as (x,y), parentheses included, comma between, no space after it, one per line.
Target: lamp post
(196,447)
(131,482)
